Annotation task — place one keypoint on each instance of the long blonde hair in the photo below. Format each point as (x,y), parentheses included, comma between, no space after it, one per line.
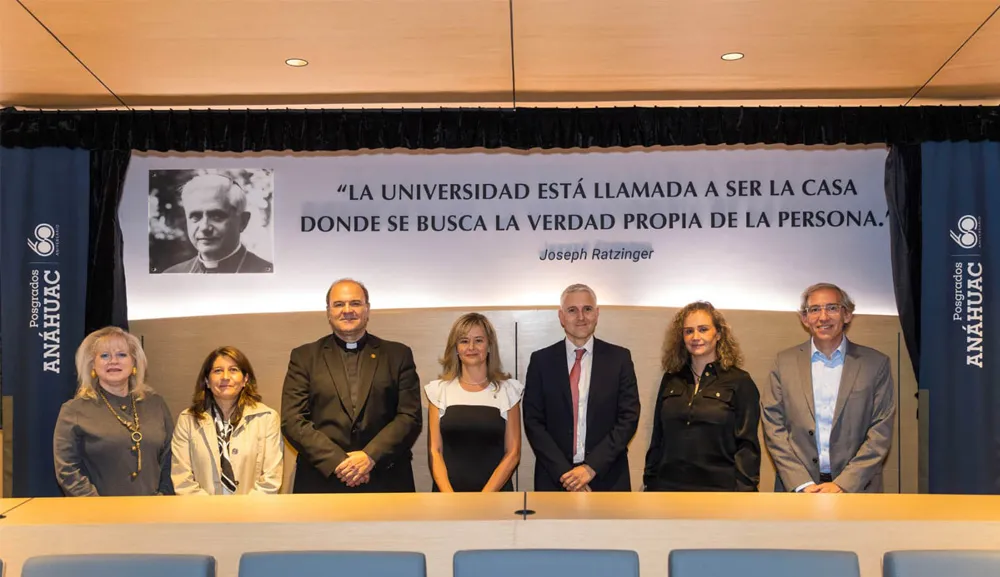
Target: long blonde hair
(451,366)
(676,355)
(87,383)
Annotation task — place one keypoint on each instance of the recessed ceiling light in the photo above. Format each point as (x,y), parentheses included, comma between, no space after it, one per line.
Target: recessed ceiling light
(297,62)
(732,56)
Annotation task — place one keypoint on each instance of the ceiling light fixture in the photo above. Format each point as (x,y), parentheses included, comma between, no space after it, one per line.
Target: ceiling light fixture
(297,62)
(730,56)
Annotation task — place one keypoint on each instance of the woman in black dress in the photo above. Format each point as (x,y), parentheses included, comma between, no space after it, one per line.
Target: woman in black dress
(707,410)
(474,413)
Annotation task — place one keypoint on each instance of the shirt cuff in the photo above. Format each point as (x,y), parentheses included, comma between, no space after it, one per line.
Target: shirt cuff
(803,486)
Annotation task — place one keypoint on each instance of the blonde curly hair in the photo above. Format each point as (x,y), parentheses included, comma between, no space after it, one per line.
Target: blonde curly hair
(676,355)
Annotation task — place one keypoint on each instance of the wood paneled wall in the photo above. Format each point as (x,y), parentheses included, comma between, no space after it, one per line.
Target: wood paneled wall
(176,348)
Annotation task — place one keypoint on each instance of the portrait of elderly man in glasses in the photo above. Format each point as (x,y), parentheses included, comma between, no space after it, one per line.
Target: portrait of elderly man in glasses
(828,410)
(215,211)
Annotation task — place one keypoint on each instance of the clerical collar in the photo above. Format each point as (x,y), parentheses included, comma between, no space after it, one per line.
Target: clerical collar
(212,264)
(351,347)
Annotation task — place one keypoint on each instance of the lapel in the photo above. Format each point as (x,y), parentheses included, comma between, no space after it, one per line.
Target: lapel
(599,370)
(335,364)
(848,377)
(207,427)
(561,366)
(370,358)
(805,376)
(248,415)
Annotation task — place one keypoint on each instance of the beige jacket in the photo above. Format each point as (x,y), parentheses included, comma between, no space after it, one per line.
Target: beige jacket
(256,448)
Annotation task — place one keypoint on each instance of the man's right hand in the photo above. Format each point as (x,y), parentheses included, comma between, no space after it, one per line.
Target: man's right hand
(361,481)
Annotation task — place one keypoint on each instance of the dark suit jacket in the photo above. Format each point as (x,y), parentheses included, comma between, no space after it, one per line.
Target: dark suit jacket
(319,421)
(612,416)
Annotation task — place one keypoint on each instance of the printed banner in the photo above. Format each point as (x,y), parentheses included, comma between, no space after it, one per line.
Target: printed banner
(43,258)
(961,187)
(745,229)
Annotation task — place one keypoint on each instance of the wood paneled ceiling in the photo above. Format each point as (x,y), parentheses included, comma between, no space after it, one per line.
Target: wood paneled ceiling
(496,53)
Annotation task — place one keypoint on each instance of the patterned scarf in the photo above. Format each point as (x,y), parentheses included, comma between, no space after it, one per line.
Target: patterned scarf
(223,432)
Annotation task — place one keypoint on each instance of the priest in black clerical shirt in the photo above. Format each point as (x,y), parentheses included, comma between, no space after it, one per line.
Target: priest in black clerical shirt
(350,404)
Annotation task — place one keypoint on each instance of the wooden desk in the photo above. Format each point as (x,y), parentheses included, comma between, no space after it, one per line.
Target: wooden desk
(438,525)
(8,504)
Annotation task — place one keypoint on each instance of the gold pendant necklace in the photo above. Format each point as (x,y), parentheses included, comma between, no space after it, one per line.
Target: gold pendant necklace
(133,428)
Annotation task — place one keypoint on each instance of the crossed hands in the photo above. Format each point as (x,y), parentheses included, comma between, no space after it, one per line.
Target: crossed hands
(578,479)
(823,488)
(355,469)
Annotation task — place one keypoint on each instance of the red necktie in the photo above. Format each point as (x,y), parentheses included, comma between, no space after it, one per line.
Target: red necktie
(574,389)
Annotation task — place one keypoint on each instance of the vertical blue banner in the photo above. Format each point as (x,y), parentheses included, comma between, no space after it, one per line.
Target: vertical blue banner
(960,349)
(44,218)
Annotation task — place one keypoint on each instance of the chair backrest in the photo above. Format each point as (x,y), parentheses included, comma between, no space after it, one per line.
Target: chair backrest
(119,566)
(770,562)
(330,563)
(546,563)
(935,563)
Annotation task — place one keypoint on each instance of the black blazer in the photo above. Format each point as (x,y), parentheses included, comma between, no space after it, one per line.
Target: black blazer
(612,416)
(318,420)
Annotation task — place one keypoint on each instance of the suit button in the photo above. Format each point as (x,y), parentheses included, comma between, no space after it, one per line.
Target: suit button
(812,433)
(815,460)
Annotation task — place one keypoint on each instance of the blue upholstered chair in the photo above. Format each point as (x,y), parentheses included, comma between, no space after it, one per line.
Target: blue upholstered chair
(546,563)
(941,563)
(324,563)
(769,562)
(119,566)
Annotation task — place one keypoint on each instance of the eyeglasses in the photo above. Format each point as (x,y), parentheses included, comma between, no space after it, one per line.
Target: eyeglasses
(831,309)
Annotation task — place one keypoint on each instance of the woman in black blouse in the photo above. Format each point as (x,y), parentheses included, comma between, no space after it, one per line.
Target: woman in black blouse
(707,410)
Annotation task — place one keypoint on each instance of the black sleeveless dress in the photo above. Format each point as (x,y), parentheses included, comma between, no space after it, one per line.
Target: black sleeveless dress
(473,446)
(473,429)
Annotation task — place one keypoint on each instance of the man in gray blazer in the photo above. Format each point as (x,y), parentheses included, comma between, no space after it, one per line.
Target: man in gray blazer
(828,412)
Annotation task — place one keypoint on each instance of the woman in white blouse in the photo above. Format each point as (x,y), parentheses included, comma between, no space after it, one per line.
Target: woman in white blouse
(474,413)
(227,442)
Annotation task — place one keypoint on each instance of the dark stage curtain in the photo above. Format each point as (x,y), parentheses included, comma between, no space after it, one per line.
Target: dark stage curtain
(522,128)
(106,304)
(903,198)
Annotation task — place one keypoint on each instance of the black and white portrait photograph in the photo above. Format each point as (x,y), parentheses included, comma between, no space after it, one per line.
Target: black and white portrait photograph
(211,221)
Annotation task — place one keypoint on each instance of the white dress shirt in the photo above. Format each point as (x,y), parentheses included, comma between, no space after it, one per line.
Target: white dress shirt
(825,372)
(586,363)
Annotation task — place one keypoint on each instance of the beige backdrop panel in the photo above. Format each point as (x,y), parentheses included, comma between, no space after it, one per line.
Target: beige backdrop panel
(176,348)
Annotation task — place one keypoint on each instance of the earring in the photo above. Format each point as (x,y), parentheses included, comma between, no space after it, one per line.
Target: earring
(134,371)
(93,374)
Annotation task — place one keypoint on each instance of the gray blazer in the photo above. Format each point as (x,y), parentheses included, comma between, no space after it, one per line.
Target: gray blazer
(862,420)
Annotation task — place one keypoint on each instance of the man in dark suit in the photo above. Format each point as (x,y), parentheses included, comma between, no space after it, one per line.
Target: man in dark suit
(581,404)
(350,405)
(828,412)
